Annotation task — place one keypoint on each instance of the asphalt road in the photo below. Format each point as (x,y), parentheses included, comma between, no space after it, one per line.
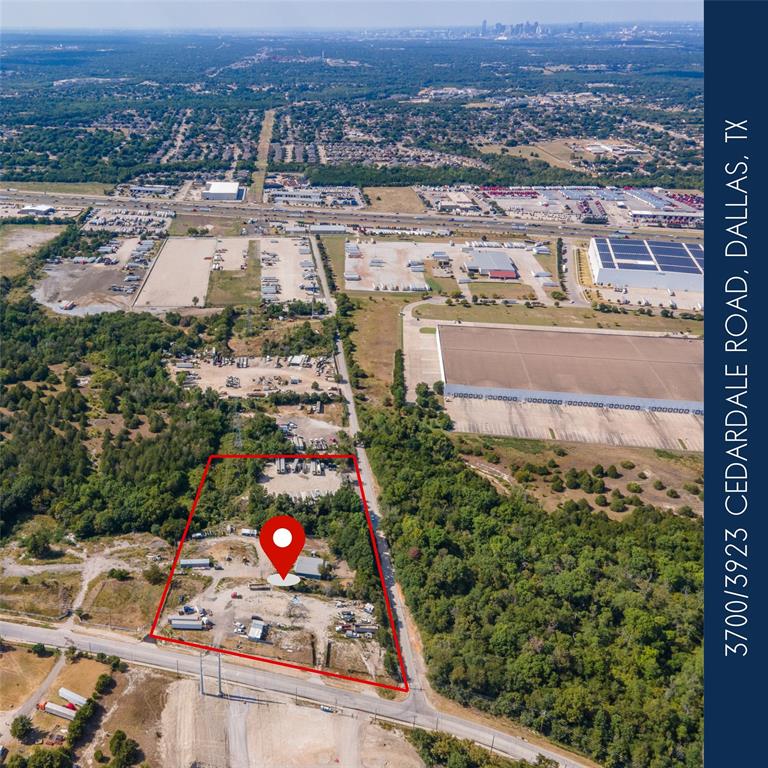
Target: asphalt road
(414,710)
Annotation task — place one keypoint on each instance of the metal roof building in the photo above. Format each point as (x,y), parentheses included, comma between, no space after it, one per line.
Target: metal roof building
(258,630)
(199,562)
(647,264)
(485,262)
(37,210)
(309,567)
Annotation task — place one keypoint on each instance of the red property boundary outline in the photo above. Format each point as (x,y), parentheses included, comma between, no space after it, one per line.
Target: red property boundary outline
(218,456)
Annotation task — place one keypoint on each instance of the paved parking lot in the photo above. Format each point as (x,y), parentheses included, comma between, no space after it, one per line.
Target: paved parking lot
(588,425)
(286,252)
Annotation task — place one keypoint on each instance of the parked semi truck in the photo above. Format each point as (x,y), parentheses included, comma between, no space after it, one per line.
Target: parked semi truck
(57,710)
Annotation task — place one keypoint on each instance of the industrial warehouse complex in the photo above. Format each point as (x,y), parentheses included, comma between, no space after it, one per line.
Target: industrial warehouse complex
(573,368)
(647,264)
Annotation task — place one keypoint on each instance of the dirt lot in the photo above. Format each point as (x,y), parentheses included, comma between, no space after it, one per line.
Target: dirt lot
(18,241)
(260,376)
(45,594)
(179,274)
(233,285)
(136,706)
(674,469)
(554,153)
(21,672)
(231,733)
(301,625)
(394,199)
(299,484)
(86,284)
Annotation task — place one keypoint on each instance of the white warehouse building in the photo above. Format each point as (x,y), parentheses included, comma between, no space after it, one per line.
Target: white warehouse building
(223,190)
(647,264)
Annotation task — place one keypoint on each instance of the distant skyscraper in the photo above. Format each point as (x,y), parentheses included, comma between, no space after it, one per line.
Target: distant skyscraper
(485,27)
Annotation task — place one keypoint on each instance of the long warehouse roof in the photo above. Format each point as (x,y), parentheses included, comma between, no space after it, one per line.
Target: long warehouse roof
(650,255)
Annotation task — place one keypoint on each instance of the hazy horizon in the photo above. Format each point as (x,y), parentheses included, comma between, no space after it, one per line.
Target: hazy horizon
(324,15)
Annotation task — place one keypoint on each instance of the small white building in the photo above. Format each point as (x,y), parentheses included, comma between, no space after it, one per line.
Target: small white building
(223,190)
(37,210)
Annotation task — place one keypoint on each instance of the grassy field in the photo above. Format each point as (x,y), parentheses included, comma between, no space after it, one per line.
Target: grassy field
(564,316)
(643,466)
(500,290)
(48,594)
(240,286)
(75,188)
(377,337)
(265,137)
(554,153)
(334,245)
(127,604)
(219,226)
(394,199)
(20,240)
(21,672)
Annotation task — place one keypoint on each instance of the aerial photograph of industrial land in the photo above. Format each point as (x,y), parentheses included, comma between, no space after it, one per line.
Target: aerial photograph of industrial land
(427,282)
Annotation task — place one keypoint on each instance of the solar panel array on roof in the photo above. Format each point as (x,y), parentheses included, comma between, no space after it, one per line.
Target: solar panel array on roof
(651,255)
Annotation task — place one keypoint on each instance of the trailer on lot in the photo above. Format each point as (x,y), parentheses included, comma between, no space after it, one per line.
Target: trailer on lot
(71,696)
(178,622)
(57,710)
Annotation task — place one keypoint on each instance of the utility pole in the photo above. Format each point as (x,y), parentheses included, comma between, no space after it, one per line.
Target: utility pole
(202,682)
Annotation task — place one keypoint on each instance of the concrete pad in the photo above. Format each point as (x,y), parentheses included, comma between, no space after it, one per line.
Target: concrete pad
(588,425)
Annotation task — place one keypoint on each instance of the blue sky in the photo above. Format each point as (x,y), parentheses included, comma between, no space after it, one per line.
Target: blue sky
(327,14)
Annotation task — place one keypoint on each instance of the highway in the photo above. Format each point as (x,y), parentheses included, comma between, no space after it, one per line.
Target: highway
(413,711)
(264,212)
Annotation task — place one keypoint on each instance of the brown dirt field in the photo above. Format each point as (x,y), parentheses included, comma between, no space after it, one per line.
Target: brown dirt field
(20,240)
(394,199)
(673,469)
(295,647)
(48,594)
(345,656)
(20,674)
(141,695)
